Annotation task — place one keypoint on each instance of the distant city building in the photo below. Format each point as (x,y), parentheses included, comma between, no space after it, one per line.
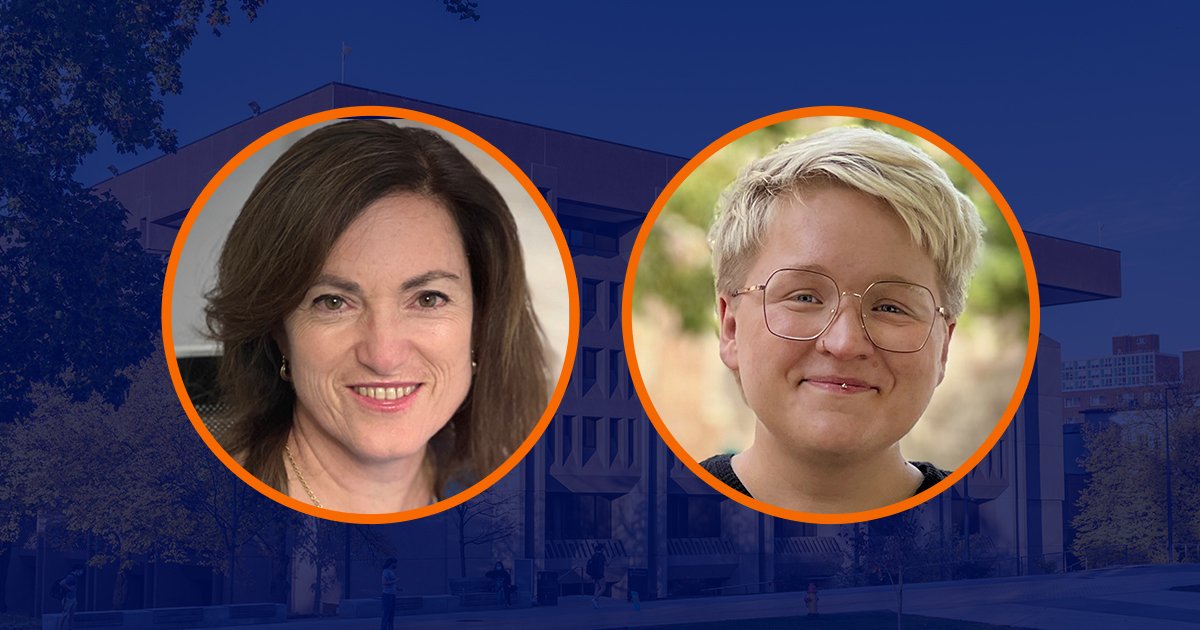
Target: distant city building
(1133,376)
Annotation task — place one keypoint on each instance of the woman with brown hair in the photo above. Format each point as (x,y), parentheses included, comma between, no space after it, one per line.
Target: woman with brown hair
(379,342)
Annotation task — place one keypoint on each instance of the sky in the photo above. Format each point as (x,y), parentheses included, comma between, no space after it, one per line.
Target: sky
(1081,118)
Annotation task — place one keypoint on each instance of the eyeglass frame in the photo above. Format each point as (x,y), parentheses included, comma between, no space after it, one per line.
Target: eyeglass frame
(862,322)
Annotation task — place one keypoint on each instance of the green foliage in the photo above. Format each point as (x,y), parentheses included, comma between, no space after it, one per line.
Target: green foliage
(78,296)
(92,471)
(1122,514)
(1122,517)
(675,267)
(135,477)
(464,9)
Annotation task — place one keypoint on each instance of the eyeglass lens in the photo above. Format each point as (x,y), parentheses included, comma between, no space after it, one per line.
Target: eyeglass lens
(800,305)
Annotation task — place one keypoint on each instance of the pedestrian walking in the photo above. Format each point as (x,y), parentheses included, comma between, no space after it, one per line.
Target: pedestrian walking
(68,589)
(388,579)
(595,570)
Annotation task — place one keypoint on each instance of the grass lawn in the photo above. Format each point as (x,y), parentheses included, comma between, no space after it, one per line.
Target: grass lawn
(871,620)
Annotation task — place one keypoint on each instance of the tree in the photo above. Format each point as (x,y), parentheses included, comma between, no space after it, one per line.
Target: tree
(229,515)
(897,548)
(322,544)
(137,479)
(1122,512)
(485,519)
(82,466)
(464,9)
(78,296)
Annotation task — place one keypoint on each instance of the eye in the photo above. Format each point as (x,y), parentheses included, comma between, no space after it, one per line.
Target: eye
(891,309)
(330,302)
(432,299)
(806,298)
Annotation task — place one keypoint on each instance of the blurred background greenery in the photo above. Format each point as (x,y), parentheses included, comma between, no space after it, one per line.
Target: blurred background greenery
(675,320)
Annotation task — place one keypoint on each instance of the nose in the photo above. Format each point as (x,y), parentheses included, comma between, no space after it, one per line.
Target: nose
(384,342)
(845,338)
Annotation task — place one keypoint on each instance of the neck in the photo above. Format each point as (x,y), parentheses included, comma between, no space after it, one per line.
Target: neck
(824,484)
(346,483)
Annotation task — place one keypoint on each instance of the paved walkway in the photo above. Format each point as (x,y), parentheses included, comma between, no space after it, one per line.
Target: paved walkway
(1120,598)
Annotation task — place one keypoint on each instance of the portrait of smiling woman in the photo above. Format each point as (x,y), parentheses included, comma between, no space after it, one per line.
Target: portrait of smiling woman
(842,262)
(842,259)
(379,347)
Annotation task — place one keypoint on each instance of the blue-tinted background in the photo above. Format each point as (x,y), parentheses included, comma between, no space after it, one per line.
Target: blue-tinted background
(1080,117)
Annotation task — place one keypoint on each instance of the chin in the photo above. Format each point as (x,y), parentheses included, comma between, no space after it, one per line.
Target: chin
(391,451)
(839,439)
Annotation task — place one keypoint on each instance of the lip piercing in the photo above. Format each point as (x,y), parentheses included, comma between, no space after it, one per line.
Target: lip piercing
(843,387)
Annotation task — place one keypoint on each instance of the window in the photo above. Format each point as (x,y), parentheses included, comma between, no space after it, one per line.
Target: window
(592,243)
(589,437)
(590,357)
(596,230)
(614,439)
(614,303)
(587,299)
(568,424)
(614,372)
(576,516)
(693,516)
(630,441)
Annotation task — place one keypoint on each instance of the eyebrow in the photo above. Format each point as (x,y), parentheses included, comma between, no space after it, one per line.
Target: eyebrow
(349,286)
(427,277)
(338,282)
(819,268)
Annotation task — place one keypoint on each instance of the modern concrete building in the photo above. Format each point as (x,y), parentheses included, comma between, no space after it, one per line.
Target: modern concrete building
(600,475)
(1016,494)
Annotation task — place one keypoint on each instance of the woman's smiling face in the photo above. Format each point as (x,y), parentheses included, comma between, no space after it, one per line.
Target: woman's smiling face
(379,350)
(795,388)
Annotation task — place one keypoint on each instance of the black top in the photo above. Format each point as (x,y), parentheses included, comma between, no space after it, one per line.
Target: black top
(719,467)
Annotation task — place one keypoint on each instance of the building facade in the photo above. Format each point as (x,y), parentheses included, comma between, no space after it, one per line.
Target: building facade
(600,475)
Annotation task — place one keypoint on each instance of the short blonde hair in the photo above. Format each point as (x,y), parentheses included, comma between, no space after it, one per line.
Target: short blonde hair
(941,220)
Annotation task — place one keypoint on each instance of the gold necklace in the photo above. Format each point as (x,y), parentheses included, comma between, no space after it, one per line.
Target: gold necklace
(296,469)
(287,449)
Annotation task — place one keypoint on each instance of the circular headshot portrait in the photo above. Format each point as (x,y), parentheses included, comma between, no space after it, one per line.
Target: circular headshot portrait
(833,315)
(368,314)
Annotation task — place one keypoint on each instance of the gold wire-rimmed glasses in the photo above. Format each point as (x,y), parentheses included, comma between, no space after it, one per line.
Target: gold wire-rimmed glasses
(800,305)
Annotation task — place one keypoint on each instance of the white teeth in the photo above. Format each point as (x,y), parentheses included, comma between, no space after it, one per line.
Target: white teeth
(385,393)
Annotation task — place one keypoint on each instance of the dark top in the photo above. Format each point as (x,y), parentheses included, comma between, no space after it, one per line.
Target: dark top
(719,467)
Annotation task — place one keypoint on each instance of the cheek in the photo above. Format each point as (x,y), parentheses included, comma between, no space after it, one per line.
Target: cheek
(916,377)
(765,363)
(313,349)
(316,355)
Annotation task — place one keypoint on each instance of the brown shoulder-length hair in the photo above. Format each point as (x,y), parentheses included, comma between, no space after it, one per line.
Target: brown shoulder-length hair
(276,250)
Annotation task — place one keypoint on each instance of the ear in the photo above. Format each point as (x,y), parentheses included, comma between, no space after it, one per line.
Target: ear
(727,323)
(945,352)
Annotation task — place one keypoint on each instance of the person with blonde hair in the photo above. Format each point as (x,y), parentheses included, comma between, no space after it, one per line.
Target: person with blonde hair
(842,262)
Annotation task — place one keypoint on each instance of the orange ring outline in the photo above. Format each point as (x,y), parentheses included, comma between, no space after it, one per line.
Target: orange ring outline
(568,270)
(1030,352)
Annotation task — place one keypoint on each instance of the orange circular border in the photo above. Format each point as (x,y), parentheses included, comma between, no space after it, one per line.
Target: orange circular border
(1030,278)
(568,358)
